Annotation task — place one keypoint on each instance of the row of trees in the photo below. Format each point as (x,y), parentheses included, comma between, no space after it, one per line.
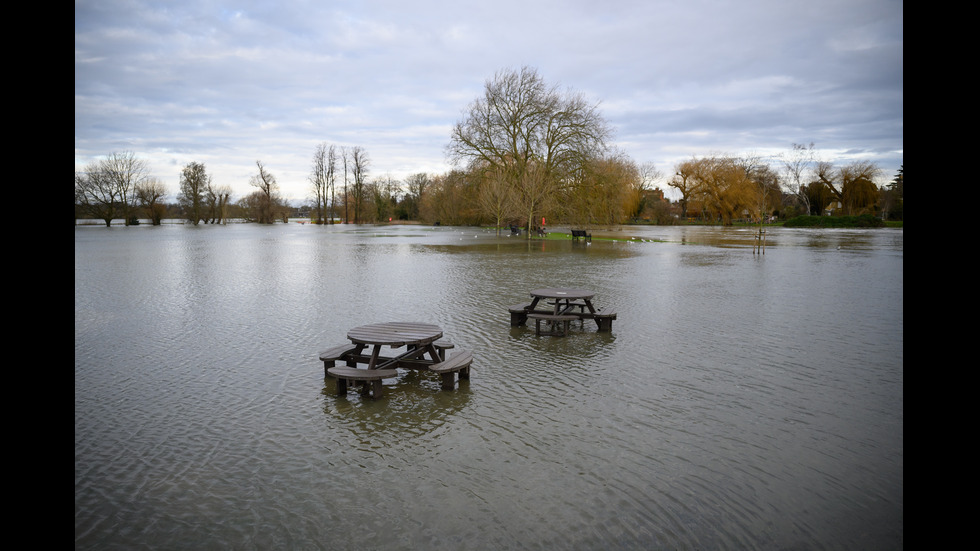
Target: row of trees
(724,188)
(120,186)
(524,151)
(345,165)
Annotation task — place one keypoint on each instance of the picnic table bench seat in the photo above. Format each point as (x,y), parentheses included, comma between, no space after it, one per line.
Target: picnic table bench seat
(559,323)
(346,374)
(442,345)
(458,362)
(518,314)
(604,319)
(330,356)
(576,234)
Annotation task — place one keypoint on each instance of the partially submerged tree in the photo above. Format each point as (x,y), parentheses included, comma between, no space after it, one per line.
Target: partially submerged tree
(532,134)
(194,183)
(495,197)
(149,195)
(358,163)
(267,203)
(322,176)
(217,198)
(106,189)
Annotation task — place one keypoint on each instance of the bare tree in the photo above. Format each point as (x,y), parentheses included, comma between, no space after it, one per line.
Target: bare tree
(535,189)
(194,183)
(332,180)
(217,198)
(768,196)
(797,166)
(417,185)
(95,194)
(650,177)
(522,125)
(384,196)
(322,178)
(495,196)
(684,182)
(268,200)
(126,171)
(107,188)
(345,157)
(359,163)
(149,195)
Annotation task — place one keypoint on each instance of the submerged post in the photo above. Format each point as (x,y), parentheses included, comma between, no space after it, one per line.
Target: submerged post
(760,241)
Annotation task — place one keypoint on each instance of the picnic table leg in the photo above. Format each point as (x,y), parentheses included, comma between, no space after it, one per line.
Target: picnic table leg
(341,387)
(374,356)
(351,360)
(433,352)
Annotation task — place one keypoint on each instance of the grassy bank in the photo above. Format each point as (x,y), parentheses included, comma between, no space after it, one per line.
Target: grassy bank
(863,221)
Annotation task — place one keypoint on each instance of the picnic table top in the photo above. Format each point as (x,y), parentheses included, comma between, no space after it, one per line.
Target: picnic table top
(563,293)
(395,334)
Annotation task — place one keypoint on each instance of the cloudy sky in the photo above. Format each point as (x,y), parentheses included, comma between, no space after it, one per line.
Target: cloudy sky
(228,82)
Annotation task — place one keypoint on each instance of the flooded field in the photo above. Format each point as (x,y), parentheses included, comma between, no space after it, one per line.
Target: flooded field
(741,401)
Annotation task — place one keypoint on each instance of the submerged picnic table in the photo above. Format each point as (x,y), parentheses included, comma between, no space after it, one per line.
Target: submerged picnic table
(566,305)
(425,350)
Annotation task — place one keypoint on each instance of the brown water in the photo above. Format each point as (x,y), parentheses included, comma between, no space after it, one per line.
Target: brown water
(741,400)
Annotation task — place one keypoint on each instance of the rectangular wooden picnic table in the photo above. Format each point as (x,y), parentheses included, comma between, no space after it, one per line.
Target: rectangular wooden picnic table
(567,305)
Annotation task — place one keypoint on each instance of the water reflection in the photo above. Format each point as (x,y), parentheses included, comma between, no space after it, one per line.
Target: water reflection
(741,400)
(412,406)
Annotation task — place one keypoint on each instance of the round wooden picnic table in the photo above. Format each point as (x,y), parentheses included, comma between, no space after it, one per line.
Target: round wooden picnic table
(417,336)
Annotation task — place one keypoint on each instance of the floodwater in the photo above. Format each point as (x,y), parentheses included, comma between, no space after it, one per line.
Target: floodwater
(741,401)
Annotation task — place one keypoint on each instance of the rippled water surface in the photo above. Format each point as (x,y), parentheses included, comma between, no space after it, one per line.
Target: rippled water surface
(740,401)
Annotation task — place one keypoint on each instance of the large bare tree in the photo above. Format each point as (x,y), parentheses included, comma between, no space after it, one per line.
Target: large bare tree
(532,133)
(106,189)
